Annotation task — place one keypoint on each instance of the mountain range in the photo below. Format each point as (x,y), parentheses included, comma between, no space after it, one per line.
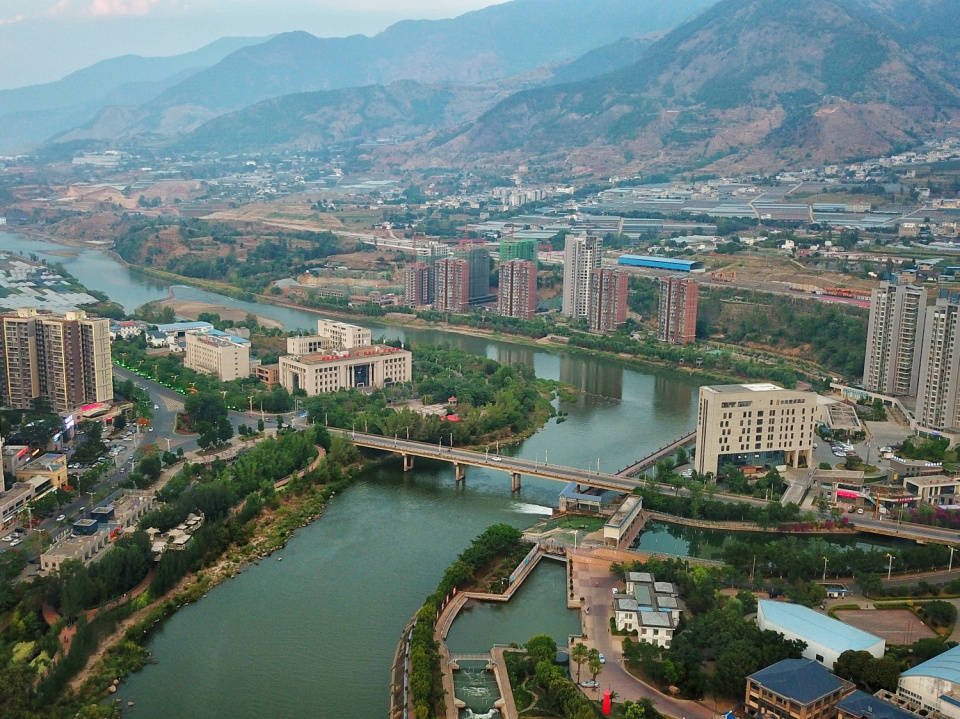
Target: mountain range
(759,82)
(603,84)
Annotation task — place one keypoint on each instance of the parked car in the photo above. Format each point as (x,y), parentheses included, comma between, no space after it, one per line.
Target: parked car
(6,538)
(61,517)
(589,684)
(15,542)
(603,659)
(859,510)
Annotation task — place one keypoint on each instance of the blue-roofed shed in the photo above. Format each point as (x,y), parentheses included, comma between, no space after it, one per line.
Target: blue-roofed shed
(826,638)
(661,263)
(861,705)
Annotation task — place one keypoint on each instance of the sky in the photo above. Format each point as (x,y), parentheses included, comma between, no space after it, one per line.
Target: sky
(43,40)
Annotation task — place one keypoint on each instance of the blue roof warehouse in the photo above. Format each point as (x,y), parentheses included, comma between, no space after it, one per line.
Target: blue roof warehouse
(671,264)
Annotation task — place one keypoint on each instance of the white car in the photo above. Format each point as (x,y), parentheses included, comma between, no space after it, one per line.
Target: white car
(494,458)
(61,517)
(7,538)
(603,659)
(156,406)
(15,542)
(589,684)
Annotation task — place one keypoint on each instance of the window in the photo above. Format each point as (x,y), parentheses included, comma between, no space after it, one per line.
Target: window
(819,658)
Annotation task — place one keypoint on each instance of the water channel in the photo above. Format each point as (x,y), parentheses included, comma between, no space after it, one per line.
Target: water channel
(314,635)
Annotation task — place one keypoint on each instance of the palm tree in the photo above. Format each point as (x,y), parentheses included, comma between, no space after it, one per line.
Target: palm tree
(579,654)
(594,666)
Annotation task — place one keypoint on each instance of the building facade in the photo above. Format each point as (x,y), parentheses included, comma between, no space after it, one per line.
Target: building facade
(677,310)
(452,289)
(607,305)
(794,689)
(937,394)
(375,366)
(581,255)
(344,336)
(894,337)
(418,284)
(224,356)
(307,344)
(478,261)
(754,424)
(518,289)
(64,360)
(518,250)
(934,685)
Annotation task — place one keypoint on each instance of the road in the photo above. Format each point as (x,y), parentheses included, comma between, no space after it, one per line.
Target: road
(593,581)
(508,465)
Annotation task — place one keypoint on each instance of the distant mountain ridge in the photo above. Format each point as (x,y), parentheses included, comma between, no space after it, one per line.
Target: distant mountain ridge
(761,82)
(498,41)
(30,115)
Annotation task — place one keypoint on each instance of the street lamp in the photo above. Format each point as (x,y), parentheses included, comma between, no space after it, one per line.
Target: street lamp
(824,569)
(950,567)
(889,564)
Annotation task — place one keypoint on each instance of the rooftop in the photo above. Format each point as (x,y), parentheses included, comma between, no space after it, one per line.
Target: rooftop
(358,353)
(946,666)
(644,577)
(931,480)
(759,387)
(870,707)
(802,680)
(656,619)
(184,326)
(815,627)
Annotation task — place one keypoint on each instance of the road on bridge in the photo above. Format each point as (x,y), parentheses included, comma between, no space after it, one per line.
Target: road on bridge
(510,465)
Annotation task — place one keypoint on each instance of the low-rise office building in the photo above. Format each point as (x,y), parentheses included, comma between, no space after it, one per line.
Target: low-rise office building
(754,424)
(269,374)
(78,547)
(47,472)
(651,609)
(940,490)
(794,689)
(344,336)
(376,366)
(308,344)
(826,638)
(223,355)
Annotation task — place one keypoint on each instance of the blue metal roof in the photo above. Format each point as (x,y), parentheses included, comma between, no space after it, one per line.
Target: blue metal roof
(816,628)
(662,263)
(184,326)
(944,666)
(802,680)
(864,705)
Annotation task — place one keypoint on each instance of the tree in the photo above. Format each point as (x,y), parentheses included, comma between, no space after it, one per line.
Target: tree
(542,648)
(259,425)
(119,422)
(594,665)
(633,710)
(939,613)
(579,654)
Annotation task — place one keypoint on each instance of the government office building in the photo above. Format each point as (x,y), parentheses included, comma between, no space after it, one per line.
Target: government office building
(375,366)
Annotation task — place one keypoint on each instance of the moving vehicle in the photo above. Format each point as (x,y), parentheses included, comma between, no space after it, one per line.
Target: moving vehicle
(61,517)
(494,458)
(603,659)
(156,406)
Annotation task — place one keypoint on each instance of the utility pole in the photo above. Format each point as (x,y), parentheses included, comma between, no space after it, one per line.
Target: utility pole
(950,567)
(824,569)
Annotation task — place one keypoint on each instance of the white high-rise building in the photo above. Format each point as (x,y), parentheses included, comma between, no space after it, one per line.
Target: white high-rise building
(937,396)
(894,337)
(582,254)
(344,336)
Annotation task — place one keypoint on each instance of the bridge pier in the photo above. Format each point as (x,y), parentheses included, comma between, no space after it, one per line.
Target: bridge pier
(407,462)
(460,471)
(514,481)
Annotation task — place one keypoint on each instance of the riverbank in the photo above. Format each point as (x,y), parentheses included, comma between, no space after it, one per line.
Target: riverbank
(122,652)
(191,310)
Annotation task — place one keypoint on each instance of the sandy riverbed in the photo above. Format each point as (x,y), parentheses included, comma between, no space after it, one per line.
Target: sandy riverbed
(191,310)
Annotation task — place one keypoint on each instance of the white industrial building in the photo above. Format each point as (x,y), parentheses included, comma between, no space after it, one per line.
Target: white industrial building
(826,638)
(934,685)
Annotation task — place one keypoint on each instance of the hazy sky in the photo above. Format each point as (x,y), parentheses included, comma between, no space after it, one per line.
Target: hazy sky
(42,40)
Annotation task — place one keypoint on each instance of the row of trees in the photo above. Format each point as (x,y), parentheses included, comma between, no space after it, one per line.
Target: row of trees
(496,541)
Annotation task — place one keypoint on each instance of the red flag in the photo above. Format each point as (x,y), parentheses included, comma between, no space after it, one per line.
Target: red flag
(607,701)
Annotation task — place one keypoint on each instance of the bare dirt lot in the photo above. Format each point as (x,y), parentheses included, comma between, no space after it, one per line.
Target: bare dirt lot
(897,626)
